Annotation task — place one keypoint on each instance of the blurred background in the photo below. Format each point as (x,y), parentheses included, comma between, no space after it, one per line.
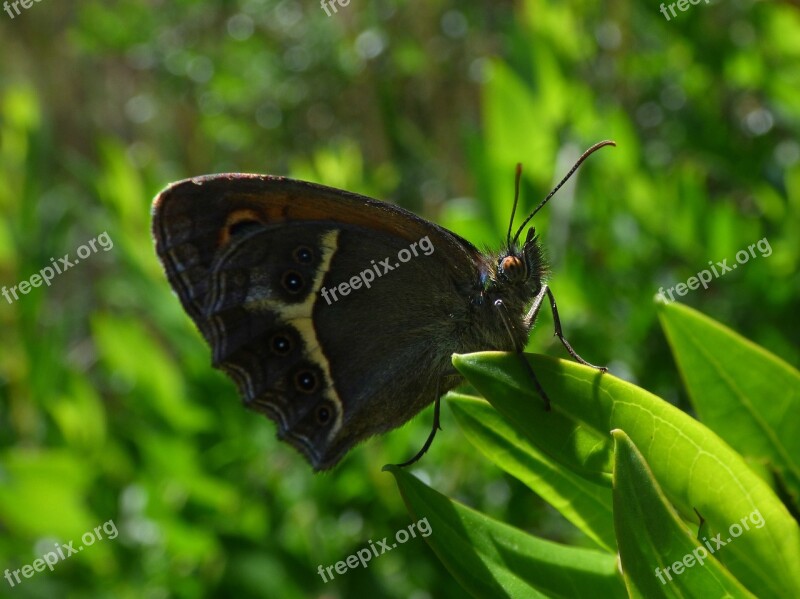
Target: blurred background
(109,409)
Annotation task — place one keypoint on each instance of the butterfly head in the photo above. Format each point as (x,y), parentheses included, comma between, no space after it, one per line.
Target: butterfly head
(512,268)
(516,265)
(525,266)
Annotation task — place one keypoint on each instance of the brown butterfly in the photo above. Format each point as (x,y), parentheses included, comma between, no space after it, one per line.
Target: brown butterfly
(336,315)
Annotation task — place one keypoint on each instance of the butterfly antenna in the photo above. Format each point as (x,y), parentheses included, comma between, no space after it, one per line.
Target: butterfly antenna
(516,198)
(583,157)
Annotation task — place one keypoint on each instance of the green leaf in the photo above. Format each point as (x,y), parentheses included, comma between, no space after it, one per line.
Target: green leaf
(44,492)
(153,375)
(696,469)
(750,397)
(660,557)
(491,559)
(584,503)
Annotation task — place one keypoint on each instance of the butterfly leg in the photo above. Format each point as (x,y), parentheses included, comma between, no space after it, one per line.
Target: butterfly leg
(560,335)
(436,427)
(536,382)
(537,303)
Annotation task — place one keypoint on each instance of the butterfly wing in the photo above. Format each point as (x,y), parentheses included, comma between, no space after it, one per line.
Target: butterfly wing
(333,313)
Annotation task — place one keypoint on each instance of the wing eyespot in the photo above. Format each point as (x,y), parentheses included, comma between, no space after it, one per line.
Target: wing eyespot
(281,344)
(323,414)
(242,227)
(303,254)
(239,223)
(306,381)
(293,282)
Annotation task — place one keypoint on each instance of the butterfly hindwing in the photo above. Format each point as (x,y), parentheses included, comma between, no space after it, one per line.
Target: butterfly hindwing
(249,257)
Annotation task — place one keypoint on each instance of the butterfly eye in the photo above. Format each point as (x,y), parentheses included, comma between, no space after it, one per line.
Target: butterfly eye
(303,254)
(293,281)
(323,415)
(306,381)
(281,344)
(513,268)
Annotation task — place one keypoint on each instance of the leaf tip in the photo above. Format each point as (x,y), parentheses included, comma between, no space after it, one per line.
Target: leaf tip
(660,299)
(618,434)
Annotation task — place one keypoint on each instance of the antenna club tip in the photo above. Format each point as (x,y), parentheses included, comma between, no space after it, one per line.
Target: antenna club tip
(519,168)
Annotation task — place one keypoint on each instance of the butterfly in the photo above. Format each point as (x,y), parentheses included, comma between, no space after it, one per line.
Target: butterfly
(335,314)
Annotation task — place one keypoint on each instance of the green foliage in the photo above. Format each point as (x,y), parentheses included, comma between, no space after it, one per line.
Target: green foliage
(747,395)
(652,532)
(611,456)
(492,559)
(109,408)
(585,503)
